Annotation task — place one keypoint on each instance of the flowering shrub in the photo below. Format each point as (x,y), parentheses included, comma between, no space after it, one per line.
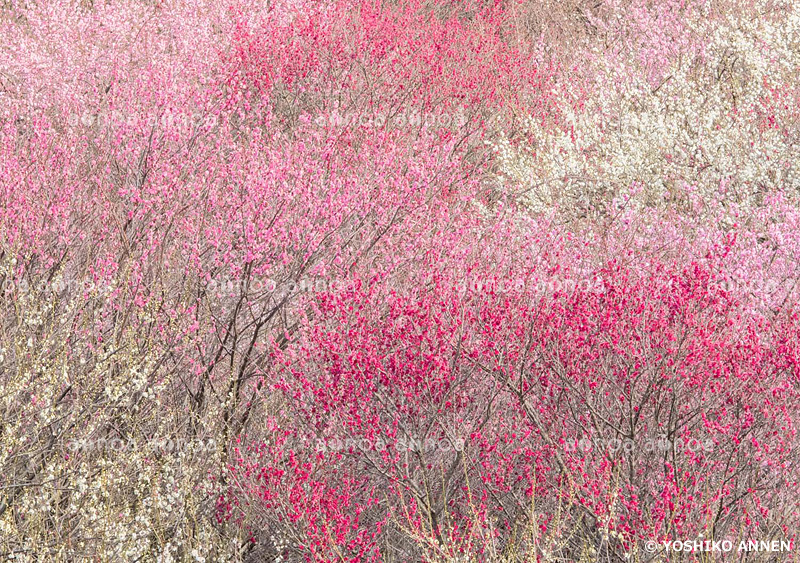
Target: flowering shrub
(710,112)
(396,281)
(525,382)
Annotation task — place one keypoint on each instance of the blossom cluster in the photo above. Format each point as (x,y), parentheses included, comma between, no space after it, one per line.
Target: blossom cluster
(349,280)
